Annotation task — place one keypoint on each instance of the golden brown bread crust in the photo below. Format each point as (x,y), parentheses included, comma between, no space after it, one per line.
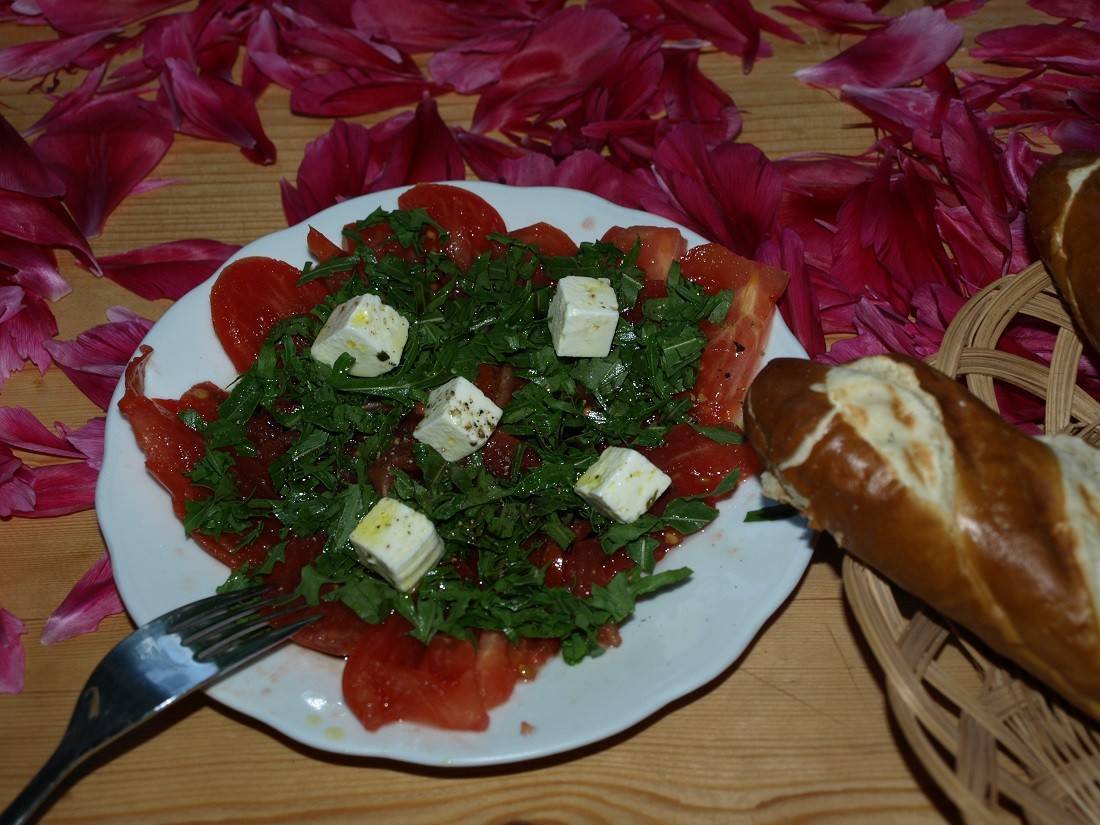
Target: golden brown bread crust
(1001,564)
(1065,225)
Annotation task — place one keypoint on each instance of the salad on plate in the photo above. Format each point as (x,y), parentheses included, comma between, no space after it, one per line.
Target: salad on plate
(470,447)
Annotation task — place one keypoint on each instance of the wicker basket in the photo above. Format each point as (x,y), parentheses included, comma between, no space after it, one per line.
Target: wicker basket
(1000,745)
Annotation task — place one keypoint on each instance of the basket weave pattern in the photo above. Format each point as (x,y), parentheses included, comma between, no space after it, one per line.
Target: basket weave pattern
(1000,745)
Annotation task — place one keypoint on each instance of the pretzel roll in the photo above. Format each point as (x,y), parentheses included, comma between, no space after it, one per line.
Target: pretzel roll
(1064,217)
(919,479)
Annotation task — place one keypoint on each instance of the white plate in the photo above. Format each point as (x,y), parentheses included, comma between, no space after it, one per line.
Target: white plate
(675,643)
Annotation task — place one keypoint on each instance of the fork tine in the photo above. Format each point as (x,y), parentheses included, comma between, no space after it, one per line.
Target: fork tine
(232,657)
(174,618)
(203,625)
(208,642)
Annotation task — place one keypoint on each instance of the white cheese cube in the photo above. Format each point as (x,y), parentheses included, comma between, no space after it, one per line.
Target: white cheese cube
(622,484)
(368,330)
(458,419)
(583,315)
(397,542)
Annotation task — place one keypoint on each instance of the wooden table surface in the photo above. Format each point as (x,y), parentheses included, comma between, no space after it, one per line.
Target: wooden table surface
(797,730)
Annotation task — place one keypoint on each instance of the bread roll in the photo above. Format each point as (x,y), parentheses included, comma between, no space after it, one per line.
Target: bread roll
(918,478)
(1064,216)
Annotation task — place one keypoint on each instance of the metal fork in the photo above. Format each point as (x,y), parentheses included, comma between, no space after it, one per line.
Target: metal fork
(156,666)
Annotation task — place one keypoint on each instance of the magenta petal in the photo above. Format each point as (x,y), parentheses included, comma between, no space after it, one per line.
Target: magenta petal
(212,108)
(42,222)
(910,47)
(20,429)
(729,193)
(689,95)
(351,160)
(34,268)
(1068,9)
(13,659)
(96,359)
(102,151)
(566,54)
(474,64)
(902,111)
(88,440)
(75,16)
(16,492)
(1061,47)
(975,171)
(60,489)
(25,336)
(433,25)
(91,600)
(350,92)
(30,60)
(21,170)
(1077,135)
(167,270)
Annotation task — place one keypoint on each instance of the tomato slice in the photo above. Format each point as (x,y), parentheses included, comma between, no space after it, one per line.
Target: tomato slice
(696,464)
(390,676)
(321,247)
(547,239)
(734,347)
(250,297)
(467,218)
(659,247)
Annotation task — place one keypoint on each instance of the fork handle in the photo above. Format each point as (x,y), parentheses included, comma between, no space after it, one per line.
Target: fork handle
(24,807)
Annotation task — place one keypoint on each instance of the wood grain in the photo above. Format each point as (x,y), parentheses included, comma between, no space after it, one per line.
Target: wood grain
(796,731)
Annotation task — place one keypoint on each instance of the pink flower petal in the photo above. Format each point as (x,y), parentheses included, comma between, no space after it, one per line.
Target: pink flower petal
(16,490)
(1058,47)
(21,170)
(978,259)
(729,193)
(974,168)
(19,428)
(433,25)
(61,489)
(13,659)
(212,108)
(910,47)
(73,100)
(103,151)
(43,223)
(24,336)
(1068,9)
(350,92)
(567,54)
(840,16)
(351,160)
(75,16)
(167,270)
(473,64)
(798,303)
(88,440)
(902,111)
(96,359)
(30,60)
(91,600)
(32,267)
(1077,135)
(689,95)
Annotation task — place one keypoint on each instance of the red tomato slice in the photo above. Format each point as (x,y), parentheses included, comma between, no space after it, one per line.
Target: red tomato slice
(496,674)
(696,464)
(547,239)
(467,218)
(734,347)
(390,677)
(321,247)
(660,246)
(250,297)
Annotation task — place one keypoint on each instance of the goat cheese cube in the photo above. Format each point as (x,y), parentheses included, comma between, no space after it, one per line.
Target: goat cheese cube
(458,419)
(368,330)
(397,542)
(622,484)
(583,315)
